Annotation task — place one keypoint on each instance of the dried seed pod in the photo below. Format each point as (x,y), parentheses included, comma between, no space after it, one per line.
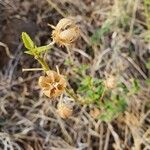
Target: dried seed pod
(52,85)
(95,113)
(65,32)
(64,110)
(110,82)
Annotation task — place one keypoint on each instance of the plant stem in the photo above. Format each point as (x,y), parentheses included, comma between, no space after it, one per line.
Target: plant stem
(69,53)
(32,69)
(101,98)
(42,49)
(74,96)
(70,93)
(40,59)
(43,63)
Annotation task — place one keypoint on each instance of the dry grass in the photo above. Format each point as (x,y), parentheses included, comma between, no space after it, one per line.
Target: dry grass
(28,120)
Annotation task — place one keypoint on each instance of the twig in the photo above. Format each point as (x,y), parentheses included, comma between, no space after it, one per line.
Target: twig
(101,136)
(57,8)
(7,50)
(133,17)
(135,65)
(115,135)
(32,69)
(107,140)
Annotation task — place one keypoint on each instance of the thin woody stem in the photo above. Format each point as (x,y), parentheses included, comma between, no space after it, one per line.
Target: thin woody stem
(74,96)
(69,53)
(32,69)
(71,94)
(57,70)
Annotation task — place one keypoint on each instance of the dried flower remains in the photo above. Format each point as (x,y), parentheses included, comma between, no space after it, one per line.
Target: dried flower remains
(95,113)
(52,85)
(110,82)
(64,110)
(66,32)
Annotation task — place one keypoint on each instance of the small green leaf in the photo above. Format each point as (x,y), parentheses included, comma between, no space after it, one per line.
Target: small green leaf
(29,52)
(28,43)
(112,108)
(135,87)
(123,88)
(41,49)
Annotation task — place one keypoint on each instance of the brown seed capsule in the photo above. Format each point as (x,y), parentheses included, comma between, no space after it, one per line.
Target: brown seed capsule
(110,82)
(52,85)
(64,110)
(95,113)
(66,32)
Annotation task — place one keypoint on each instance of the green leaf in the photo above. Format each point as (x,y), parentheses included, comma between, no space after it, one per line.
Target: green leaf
(135,87)
(123,87)
(91,88)
(81,69)
(28,43)
(41,49)
(112,108)
(87,81)
(29,52)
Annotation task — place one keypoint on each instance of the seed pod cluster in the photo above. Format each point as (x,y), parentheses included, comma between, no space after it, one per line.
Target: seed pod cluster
(53,84)
(66,32)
